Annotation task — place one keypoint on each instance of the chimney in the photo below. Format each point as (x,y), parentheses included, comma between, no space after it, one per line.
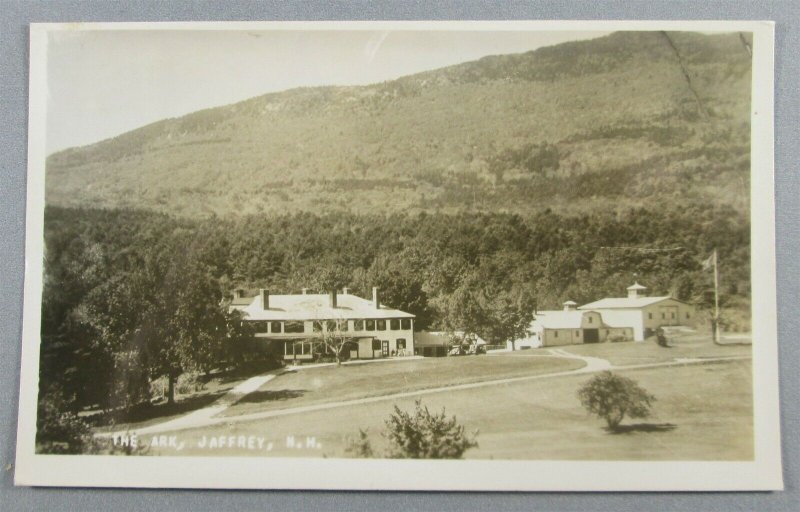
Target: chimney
(305,290)
(264,298)
(238,293)
(636,290)
(332,300)
(345,290)
(376,299)
(570,305)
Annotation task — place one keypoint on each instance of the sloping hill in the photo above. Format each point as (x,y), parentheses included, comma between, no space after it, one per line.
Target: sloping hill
(614,122)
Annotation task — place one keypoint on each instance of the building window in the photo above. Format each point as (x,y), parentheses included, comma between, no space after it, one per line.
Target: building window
(343,325)
(687,315)
(663,315)
(672,315)
(381,325)
(394,324)
(358,325)
(330,325)
(405,323)
(577,334)
(555,334)
(260,327)
(649,316)
(276,327)
(294,327)
(591,319)
(376,344)
(317,326)
(370,325)
(606,332)
(401,343)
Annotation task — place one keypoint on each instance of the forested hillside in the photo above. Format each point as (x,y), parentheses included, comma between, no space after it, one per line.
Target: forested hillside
(626,120)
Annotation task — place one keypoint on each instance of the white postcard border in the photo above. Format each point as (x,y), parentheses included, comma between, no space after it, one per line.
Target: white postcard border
(763,473)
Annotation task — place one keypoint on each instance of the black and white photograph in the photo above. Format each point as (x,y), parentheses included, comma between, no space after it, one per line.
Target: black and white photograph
(386,255)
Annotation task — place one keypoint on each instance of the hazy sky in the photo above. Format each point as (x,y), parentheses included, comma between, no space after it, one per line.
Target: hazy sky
(103,83)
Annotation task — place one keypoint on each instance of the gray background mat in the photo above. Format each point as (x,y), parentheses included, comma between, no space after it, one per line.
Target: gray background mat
(17,14)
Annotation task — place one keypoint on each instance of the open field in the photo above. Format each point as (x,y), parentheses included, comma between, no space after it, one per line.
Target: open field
(333,384)
(695,346)
(702,412)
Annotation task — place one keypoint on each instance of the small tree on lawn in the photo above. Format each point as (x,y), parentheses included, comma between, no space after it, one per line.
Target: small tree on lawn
(426,435)
(612,397)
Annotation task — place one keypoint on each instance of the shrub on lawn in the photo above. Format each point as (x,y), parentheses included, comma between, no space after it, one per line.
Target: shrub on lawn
(612,397)
(423,435)
(360,447)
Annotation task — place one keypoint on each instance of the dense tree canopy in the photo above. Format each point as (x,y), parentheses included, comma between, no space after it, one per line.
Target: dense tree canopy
(131,296)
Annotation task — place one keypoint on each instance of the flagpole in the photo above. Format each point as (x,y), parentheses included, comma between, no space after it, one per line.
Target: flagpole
(716,299)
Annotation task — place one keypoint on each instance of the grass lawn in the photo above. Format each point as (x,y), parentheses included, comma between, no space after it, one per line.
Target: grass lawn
(702,412)
(624,353)
(333,384)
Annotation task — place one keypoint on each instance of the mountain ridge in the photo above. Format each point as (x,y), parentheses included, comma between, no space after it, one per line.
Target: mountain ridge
(627,118)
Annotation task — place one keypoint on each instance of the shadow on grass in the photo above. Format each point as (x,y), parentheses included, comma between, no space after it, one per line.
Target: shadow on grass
(641,427)
(148,412)
(272,396)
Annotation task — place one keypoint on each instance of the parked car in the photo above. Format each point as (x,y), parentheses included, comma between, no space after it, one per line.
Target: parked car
(476,350)
(457,350)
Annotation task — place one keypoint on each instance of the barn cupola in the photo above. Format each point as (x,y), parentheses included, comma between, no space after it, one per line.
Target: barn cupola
(636,290)
(570,305)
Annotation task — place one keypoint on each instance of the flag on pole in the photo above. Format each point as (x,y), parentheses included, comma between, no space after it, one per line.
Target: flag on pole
(708,264)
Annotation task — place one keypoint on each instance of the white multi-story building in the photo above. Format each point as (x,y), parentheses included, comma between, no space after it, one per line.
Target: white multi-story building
(299,321)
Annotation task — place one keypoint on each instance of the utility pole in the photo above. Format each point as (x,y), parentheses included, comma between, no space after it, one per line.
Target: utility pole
(716,299)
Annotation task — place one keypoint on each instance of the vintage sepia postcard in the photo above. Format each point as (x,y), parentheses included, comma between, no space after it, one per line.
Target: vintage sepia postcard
(401,256)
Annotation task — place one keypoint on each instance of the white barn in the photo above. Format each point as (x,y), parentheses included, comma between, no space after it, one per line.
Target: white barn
(634,317)
(570,326)
(643,314)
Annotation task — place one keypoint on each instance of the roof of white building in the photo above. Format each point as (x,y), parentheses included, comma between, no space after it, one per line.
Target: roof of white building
(623,302)
(572,319)
(314,307)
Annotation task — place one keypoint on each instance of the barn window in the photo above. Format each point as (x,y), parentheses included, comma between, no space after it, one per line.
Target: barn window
(649,316)
(663,315)
(578,334)
(672,315)
(687,315)
(591,319)
(555,334)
